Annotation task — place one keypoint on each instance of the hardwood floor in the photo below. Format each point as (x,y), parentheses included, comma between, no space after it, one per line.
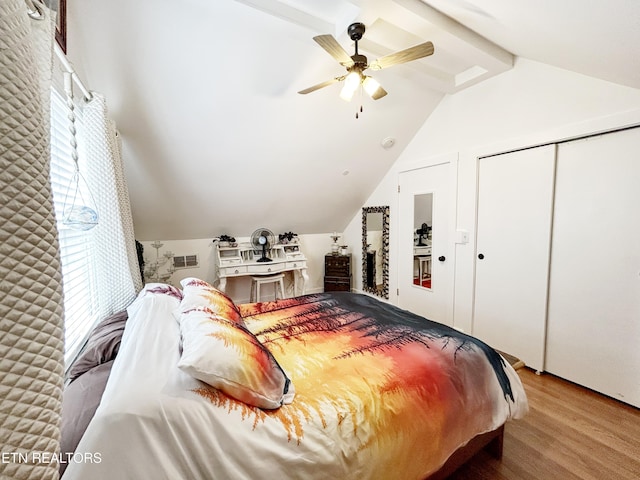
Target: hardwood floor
(569,433)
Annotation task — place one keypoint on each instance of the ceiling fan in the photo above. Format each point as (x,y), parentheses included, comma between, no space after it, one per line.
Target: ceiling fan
(356,64)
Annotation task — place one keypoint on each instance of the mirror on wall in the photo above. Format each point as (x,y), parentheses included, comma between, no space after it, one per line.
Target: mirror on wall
(422,239)
(375,250)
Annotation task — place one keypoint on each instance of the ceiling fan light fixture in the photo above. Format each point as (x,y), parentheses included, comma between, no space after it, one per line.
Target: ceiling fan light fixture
(371,86)
(351,83)
(346,94)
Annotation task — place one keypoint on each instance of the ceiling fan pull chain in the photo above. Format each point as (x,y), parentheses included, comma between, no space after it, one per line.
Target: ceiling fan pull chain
(357,113)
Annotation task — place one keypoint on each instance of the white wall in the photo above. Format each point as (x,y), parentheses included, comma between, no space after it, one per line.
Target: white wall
(313,246)
(202,247)
(531,104)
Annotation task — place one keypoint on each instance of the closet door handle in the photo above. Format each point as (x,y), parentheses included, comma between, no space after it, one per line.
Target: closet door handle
(442,258)
(481,256)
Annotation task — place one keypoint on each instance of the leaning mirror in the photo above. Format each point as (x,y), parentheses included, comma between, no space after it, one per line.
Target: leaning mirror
(375,250)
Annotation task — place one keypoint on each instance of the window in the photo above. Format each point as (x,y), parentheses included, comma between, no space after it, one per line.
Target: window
(76,247)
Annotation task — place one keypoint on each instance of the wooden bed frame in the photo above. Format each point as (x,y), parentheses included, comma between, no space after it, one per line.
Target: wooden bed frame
(490,441)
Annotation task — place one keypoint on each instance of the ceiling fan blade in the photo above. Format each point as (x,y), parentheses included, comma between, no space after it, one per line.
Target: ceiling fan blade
(331,45)
(321,85)
(403,56)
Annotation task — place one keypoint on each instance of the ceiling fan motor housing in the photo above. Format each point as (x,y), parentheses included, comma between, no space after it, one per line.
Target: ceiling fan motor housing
(356,31)
(359,60)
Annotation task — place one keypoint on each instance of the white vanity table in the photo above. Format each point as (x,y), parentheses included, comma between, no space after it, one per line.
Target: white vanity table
(419,251)
(422,255)
(241,261)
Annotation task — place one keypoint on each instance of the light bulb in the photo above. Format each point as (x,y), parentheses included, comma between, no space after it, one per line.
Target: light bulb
(346,94)
(370,85)
(351,83)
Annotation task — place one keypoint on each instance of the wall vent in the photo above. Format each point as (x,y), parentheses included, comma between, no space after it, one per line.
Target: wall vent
(185,261)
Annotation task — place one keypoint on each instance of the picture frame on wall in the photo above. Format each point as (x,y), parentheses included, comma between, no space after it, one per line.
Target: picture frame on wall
(61,25)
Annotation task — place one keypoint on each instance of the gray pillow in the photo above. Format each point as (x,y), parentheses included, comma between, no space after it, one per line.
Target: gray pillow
(103,345)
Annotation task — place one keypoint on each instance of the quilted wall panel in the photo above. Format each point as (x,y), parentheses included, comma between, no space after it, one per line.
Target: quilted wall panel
(31,323)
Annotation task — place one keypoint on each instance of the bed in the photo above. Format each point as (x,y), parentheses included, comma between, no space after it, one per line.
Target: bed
(332,385)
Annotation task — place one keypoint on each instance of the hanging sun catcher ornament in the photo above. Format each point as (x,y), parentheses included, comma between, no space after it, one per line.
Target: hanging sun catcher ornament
(79,212)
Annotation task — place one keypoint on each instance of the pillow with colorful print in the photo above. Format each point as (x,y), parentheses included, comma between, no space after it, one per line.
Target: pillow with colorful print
(220,351)
(198,293)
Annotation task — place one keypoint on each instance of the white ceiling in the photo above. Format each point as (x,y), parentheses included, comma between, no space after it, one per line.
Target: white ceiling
(216,137)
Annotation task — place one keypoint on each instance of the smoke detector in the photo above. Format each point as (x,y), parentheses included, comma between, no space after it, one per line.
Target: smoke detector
(388,142)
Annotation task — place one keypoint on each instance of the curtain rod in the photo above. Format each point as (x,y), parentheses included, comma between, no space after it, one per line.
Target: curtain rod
(36,13)
(69,69)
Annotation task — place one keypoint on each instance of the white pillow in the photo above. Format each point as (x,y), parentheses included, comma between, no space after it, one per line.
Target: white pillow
(219,350)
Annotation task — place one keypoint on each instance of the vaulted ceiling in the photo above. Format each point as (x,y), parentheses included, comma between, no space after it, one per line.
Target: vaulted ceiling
(216,138)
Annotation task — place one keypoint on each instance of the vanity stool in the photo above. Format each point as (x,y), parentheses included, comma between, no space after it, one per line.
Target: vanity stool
(424,267)
(257,281)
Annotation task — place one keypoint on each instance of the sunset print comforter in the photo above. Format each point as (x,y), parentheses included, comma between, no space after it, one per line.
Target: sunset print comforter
(380,393)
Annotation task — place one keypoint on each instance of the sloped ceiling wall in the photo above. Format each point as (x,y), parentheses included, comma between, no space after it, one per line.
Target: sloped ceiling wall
(216,138)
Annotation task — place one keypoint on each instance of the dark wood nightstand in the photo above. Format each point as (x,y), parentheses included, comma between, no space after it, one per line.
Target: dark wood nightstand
(337,273)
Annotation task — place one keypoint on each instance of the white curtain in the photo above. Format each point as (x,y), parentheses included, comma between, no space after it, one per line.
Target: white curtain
(31,313)
(117,263)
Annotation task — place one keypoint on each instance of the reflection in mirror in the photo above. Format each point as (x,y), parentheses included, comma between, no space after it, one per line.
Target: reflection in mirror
(375,250)
(422,239)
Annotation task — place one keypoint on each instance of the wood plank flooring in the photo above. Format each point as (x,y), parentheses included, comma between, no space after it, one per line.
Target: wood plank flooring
(569,433)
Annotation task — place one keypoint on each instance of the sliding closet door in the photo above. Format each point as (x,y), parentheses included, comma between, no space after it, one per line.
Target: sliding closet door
(515,201)
(594,301)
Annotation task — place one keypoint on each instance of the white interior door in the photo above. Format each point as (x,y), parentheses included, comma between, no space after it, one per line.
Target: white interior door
(515,201)
(594,302)
(425,196)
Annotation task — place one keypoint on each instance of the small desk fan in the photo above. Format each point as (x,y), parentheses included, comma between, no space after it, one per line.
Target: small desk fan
(423,232)
(261,240)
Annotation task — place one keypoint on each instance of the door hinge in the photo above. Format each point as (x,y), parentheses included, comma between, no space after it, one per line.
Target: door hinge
(398,188)
(397,291)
